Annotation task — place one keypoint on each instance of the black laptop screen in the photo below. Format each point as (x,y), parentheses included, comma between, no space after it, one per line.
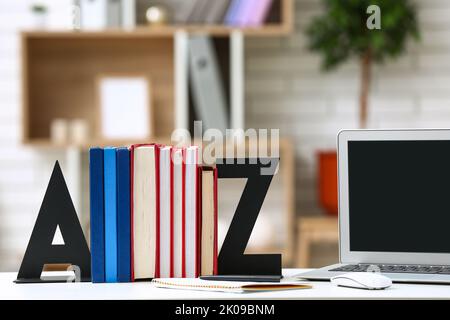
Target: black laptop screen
(399,196)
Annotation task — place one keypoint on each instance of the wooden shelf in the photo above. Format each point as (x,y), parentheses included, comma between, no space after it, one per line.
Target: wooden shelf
(163,31)
(59,79)
(280,23)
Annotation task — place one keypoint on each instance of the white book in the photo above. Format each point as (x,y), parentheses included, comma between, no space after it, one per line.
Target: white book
(94,14)
(191,223)
(144,212)
(165,212)
(128,14)
(178,212)
(114,14)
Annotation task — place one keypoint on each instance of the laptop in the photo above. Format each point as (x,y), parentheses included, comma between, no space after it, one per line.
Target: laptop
(394,205)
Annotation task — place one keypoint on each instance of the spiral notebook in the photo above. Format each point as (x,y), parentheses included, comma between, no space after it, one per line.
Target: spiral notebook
(226,286)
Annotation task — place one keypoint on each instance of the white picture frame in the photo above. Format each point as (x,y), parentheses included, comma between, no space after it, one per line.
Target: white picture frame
(124,107)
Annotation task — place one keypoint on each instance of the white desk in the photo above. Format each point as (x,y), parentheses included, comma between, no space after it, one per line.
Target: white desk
(145,290)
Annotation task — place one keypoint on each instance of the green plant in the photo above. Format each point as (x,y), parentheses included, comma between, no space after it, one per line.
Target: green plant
(341,33)
(38,8)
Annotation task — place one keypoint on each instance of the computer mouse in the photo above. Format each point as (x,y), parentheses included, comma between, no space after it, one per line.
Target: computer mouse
(362,280)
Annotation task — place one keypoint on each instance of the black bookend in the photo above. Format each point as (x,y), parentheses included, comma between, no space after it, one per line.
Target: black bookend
(232,260)
(56,210)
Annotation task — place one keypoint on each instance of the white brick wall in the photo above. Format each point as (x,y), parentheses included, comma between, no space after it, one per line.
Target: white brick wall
(286,89)
(24,172)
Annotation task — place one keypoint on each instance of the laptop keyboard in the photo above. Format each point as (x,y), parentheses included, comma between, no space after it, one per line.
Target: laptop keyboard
(390,268)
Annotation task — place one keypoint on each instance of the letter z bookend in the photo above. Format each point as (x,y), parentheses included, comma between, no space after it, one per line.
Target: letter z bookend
(232,260)
(56,210)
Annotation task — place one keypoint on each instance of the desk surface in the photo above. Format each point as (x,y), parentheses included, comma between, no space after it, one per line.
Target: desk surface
(145,290)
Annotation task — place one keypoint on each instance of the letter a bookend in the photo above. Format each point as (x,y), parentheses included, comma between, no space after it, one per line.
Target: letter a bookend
(232,260)
(57,211)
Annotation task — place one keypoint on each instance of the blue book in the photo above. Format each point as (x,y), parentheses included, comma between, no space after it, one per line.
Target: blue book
(110,215)
(97,215)
(123,216)
(233,12)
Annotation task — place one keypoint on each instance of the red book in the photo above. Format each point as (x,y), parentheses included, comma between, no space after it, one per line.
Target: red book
(145,211)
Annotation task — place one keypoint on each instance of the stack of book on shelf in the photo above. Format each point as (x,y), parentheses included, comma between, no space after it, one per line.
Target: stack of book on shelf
(243,13)
(153,213)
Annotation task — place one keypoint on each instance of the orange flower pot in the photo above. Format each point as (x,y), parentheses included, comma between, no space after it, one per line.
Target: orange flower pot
(328,181)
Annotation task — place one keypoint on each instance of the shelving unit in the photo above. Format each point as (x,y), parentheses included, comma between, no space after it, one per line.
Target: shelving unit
(59,69)
(71,60)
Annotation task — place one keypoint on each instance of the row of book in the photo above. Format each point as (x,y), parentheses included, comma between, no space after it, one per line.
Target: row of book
(153,213)
(241,13)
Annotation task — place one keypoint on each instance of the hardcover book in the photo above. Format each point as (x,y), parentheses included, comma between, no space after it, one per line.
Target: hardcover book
(97,215)
(110,215)
(208,220)
(178,213)
(145,211)
(192,267)
(123,216)
(166,212)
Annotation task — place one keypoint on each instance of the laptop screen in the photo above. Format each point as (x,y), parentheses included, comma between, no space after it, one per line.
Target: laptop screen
(399,196)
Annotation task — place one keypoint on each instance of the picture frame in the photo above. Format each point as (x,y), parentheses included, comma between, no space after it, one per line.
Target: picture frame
(124,107)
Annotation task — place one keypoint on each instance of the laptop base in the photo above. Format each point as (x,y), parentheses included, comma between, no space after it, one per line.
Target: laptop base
(324,274)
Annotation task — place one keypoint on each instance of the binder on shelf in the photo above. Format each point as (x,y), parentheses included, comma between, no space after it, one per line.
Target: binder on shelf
(184,10)
(260,13)
(217,11)
(233,11)
(207,85)
(246,11)
(198,14)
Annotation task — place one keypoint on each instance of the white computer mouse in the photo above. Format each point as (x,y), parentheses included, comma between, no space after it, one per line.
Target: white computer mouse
(362,280)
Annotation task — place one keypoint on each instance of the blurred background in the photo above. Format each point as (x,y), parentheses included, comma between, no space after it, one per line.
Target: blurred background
(241,64)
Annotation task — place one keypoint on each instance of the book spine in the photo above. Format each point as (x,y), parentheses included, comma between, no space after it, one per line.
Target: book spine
(132,148)
(110,215)
(183,215)
(158,213)
(165,213)
(217,11)
(123,216)
(172,215)
(260,13)
(216,218)
(97,215)
(129,14)
(156,230)
(199,219)
(233,10)
(197,222)
(246,11)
